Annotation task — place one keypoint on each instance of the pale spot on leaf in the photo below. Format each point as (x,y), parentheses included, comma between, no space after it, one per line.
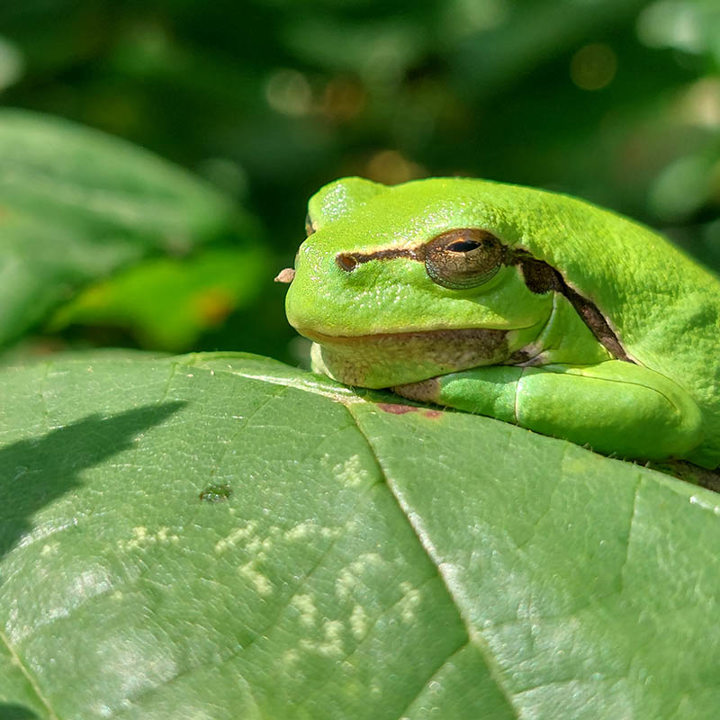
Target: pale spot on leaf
(238,535)
(358,622)
(260,582)
(306,606)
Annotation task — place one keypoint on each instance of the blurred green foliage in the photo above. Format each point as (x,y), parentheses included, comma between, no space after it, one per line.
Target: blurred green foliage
(617,101)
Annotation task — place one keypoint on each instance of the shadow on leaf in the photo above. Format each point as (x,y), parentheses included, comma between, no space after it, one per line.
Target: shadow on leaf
(16,712)
(35,472)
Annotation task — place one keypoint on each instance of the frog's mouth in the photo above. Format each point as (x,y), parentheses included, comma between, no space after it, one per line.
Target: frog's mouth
(387,359)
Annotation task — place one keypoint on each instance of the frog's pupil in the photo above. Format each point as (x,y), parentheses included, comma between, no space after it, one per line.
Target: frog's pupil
(463,246)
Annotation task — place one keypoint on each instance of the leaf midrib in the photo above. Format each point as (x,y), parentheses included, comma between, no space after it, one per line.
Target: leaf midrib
(472,636)
(17,661)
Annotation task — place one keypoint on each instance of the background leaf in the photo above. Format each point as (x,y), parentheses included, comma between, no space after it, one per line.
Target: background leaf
(78,205)
(228,536)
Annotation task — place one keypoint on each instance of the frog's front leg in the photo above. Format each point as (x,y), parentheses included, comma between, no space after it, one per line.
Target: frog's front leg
(615,407)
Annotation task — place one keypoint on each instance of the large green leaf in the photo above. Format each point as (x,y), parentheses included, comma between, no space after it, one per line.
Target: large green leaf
(76,205)
(221,536)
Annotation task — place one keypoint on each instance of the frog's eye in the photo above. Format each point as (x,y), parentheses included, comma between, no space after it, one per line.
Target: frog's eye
(309,227)
(463,258)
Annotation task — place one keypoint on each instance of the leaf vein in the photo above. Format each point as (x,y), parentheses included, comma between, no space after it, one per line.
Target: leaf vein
(631,525)
(434,674)
(433,556)
(52,715)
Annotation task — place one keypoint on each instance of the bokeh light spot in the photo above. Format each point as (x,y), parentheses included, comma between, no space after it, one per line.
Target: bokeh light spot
(226,174)
(593,66)
(669,23)
(700,105)
(680,189)
(391,167)
(289,92)
(465,17)
(12,64)
(343,99)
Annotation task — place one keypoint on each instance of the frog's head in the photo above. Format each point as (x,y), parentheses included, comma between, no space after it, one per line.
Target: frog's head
(400,284)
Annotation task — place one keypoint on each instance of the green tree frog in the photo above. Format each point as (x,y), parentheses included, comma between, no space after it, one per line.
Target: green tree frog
(528,306)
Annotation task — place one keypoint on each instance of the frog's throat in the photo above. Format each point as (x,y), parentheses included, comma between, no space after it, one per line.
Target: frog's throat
(404,336)
(384,359)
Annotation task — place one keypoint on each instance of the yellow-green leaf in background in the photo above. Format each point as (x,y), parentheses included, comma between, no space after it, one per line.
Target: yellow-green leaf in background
(168,302)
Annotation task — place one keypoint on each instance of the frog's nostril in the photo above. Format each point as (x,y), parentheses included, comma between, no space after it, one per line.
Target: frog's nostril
(346,261)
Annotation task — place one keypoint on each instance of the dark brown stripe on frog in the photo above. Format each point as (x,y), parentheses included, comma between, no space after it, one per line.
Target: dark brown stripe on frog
(541,278)
(349,261)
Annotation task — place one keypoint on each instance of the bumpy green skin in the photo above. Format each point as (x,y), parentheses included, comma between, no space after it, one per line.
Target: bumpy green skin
(375,325)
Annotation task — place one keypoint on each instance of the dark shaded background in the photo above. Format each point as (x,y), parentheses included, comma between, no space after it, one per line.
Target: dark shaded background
(617,101)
